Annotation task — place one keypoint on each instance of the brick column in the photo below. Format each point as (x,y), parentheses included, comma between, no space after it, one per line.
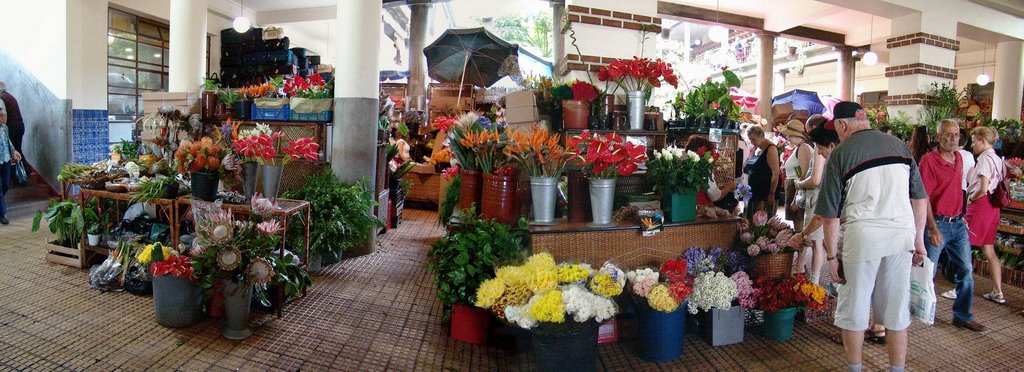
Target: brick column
(923,50)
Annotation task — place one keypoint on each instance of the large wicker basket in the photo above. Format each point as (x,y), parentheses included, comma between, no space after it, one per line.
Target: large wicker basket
(775,265)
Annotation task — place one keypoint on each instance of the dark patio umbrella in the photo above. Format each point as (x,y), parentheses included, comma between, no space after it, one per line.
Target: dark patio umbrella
(471,55)
(801,100)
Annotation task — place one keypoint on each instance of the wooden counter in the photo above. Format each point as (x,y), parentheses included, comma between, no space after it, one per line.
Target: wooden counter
(623,243)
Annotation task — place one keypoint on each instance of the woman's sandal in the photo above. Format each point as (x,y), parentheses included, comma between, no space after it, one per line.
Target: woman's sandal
(869,335)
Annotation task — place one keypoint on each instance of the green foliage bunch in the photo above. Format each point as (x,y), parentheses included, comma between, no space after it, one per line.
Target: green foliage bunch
(341,216)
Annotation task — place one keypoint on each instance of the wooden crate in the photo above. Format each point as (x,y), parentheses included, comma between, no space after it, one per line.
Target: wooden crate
(1015,230)
(1010,276)
(58,254)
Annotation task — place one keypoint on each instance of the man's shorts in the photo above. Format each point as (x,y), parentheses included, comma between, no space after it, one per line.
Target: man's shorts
(880,287)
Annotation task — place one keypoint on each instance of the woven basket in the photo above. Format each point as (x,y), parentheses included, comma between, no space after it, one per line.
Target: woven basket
(635,184)
(775,265)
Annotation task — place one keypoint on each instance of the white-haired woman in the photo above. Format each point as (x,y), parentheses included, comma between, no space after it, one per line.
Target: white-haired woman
(8,156)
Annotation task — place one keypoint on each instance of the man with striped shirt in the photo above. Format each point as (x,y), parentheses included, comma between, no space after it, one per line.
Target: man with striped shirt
(873,188)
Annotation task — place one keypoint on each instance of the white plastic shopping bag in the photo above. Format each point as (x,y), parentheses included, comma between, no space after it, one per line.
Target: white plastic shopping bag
(922,292)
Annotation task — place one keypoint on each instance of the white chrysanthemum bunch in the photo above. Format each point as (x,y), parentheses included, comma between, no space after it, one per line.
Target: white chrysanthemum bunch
(712,290)
(584,305)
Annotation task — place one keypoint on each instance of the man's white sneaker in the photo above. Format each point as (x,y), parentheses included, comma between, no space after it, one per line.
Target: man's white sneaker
(950,294)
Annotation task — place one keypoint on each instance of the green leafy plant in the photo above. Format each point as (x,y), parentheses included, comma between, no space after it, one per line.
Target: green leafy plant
(287,273)
(229,96)
(451,199)
(712,98)
(1008,129)
(676,170)
(70,171)
(341,216)
(463,259)
(210,85)
(65,219)
(901,125)
(153,188)
(128,149)
(943,103)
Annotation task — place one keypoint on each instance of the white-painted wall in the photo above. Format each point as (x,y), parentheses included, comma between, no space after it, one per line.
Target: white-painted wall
(41,48)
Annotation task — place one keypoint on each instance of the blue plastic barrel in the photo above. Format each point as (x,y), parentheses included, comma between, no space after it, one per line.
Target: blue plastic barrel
(661,334)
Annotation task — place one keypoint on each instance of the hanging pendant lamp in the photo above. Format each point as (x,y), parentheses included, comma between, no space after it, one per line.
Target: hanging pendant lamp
(241,24)
(983,78)
(870,58)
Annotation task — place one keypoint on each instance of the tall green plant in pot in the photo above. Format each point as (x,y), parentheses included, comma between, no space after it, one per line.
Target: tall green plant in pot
(340,218)
(464,259)
(679,175)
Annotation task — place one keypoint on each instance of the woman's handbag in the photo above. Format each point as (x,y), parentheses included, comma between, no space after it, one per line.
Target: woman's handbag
(20,175)
(1000,198)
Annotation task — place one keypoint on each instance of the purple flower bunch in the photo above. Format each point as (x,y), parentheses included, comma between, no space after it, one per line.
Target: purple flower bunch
(737,261)
(698,261)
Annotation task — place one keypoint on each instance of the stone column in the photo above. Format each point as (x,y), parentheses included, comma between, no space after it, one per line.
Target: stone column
(779,82)
(357,51)
(923,50)
(765,68)
(187,59)
(845,74)
(557,39)
(1008,80)
(418,25)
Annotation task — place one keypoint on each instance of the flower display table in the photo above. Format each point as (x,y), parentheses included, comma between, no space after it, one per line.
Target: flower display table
(165,209)
(622,241)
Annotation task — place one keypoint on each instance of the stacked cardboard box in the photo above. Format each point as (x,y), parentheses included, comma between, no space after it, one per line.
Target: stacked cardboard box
(521,109)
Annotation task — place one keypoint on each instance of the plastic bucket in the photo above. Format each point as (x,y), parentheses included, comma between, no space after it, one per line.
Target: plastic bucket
(778,325)
(178,302)
(661,334)
(470,324)
(571,350)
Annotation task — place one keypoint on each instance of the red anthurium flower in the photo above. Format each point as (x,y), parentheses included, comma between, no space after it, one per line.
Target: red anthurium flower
(602,74)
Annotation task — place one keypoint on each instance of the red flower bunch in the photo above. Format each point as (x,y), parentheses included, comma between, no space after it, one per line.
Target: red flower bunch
(302,148)
(639,73)
(312,87)
(177,265)
(449,173)
(443,123)
(261,146)
(202,156)
(774,294)
(674,270)
(583,91)
(680,290)
(606,155)
(704,149)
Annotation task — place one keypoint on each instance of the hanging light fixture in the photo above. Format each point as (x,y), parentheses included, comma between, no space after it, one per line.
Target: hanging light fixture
(717,33)
(241,24)
(870,58)
(983,78)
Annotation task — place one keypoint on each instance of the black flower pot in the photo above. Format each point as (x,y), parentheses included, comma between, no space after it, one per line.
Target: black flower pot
(204,186)
(242,109)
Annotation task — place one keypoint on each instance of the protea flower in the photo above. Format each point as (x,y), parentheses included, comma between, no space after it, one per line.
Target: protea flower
(260,271)
(269,227)
(229,259)
(261,206)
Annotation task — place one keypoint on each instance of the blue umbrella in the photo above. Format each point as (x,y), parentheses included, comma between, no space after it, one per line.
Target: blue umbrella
(801,100)
(471,56)
(386,75)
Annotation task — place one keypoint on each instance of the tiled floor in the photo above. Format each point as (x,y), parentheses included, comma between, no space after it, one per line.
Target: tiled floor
(378,312)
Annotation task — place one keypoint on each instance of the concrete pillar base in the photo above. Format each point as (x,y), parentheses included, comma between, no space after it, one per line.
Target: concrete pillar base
(354,152)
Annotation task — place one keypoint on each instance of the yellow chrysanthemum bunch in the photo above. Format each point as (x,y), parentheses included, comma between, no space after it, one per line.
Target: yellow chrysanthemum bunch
(489,292)
(572,273)
(514,296)
(549,308)
(604,285)
(513,276)
(661,300)
(146,256)
(542,278)
(543,259)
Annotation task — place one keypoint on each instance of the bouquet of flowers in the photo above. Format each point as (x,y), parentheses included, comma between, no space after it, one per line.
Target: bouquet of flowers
(202,156)
(639,74)
(675,170)
(743,192)
(540,293)
(258,91)
(712,289)
(486,148)
(443,123)
(774,294)
(607,155)
(665,296)
(765,236)
(579,90)
(745,291)
(313,87)
(233,250)
(176,265)
(463,134)
(263,145)
(538,152)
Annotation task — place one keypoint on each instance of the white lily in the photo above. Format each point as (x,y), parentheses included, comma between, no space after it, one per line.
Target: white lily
(666,153)
(678,152)
(692,155)
(657,155)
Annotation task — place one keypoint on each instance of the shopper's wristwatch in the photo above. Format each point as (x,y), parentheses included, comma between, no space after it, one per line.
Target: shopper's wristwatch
(830,257)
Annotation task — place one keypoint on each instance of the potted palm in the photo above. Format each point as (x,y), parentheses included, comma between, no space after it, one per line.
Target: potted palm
(228,97)
(605,157)
(460,266)
(539,153)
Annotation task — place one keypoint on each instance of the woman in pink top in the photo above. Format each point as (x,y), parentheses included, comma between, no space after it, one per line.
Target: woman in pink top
(983,217)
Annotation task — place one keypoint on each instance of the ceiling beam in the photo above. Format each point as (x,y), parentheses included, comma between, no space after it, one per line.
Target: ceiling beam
(709,16)
(297,15)
(814,35)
